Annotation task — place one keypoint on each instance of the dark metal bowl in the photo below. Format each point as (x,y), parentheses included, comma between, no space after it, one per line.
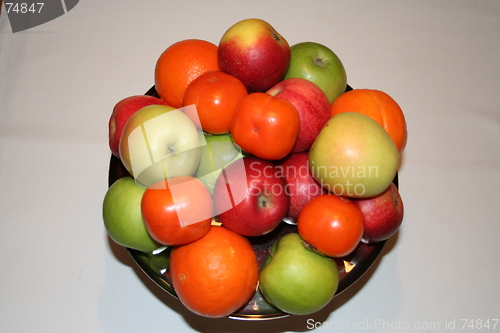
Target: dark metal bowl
(351,268)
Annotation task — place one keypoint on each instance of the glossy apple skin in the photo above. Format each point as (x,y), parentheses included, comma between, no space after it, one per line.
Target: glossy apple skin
(297,280)
(172,147)
(219,151)
(301,185)
(122,216)
(122,111)
(383,215)
(353,156)
(259,196)
(319,64)
(311,104)
(254,52)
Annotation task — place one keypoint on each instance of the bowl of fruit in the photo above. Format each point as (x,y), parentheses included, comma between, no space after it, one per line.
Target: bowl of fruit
(251,181)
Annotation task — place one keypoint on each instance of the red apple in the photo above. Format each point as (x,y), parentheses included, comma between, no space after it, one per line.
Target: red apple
(254,52)
(122,112)
(383,214)
(252,200)
(301,186)
(311,104)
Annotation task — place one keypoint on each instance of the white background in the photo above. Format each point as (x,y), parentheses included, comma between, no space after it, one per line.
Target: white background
(58,85)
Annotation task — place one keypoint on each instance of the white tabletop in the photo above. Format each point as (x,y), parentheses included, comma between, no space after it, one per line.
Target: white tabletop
(59,82)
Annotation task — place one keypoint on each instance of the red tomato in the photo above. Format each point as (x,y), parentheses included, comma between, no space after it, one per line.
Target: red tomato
(265,126)
(177,211)
(332,224)
(215,95)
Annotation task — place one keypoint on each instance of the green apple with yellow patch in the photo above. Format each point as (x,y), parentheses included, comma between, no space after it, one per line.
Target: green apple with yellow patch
(353,156)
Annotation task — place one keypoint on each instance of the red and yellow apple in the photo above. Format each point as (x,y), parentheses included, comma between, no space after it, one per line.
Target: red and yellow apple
(383,214)
(254,52)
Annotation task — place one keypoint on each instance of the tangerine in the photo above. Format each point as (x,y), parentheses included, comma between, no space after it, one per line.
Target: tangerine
(377,105)
(215,95)
(265,126)
(177,210)
(332,224)
(181,63)
(215,275)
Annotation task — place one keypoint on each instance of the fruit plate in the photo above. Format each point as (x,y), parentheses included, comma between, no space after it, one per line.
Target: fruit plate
(351,268)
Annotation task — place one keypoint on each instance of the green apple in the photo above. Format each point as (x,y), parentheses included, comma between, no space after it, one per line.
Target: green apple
(122,112)
(353,156)
(121,212)
(219,151)
(159,142)
(320,65)
(297,280)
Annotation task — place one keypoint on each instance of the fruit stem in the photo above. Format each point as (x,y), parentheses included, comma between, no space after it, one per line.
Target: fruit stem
(263,201)
(313,249)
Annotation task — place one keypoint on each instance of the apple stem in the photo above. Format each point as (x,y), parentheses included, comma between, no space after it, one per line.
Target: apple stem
(313,249)
(396,201)
(319,61)
(262,202)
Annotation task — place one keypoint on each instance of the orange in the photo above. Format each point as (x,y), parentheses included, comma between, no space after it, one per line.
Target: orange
(215,275)
(265,126)
(377,105)
(181,63)
(215,95)
(177,211)
(332,224)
